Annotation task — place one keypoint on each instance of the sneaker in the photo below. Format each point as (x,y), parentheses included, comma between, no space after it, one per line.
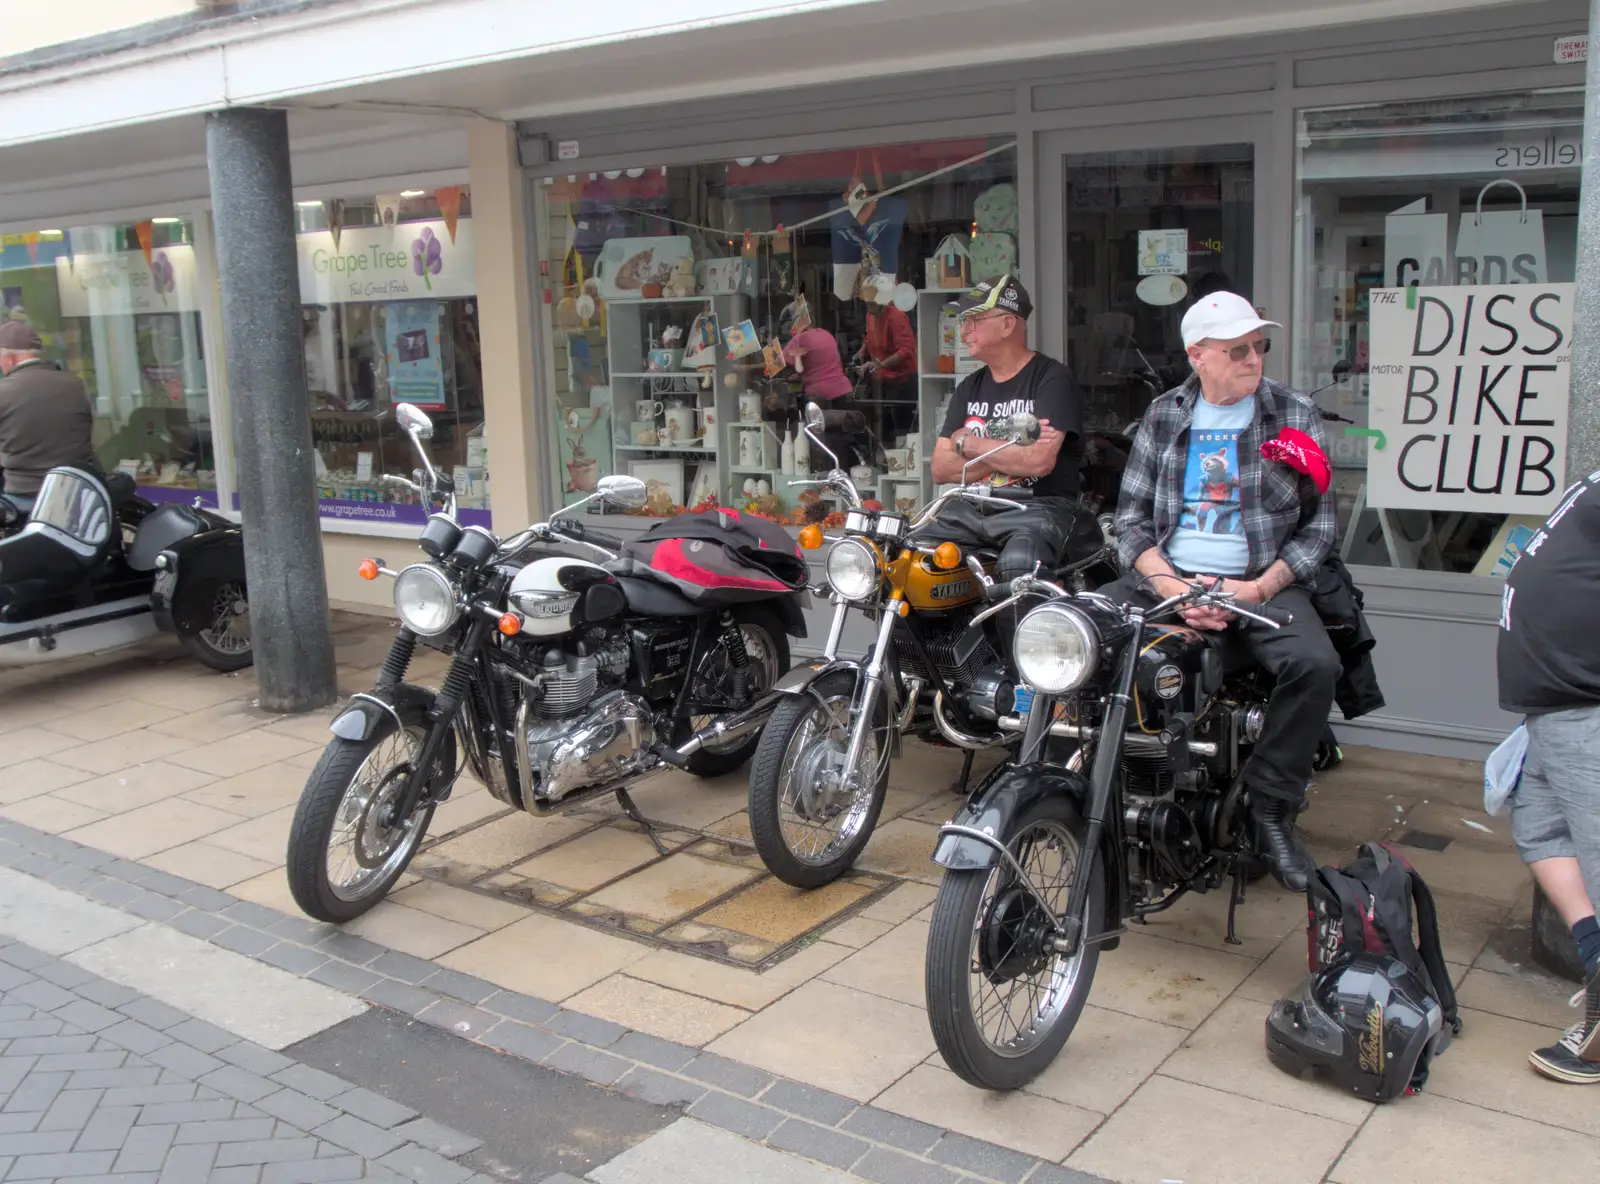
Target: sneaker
(1589,999)
(1562,1062)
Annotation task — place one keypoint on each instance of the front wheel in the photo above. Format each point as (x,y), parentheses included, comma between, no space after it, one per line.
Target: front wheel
(220,635)
(346,849)
(810,816)
(1001,1001)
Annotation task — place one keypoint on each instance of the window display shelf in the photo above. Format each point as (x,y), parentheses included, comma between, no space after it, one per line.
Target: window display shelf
(700,299)
(678,448)
(661,374)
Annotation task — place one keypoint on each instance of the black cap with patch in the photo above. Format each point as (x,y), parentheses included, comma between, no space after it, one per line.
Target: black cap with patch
(1005,294)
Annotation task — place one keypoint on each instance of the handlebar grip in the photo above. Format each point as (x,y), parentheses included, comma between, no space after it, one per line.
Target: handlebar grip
(599,539)
(997,591)
(1268,611)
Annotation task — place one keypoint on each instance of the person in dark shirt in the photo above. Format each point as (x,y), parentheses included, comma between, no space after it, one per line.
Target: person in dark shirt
(1014,379)
(1548,661)
(45,416)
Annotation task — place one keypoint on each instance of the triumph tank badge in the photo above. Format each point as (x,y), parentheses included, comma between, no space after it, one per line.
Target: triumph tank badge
(1169,681)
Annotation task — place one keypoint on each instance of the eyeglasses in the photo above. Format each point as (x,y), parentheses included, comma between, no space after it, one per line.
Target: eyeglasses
(988,316)
(1239,353)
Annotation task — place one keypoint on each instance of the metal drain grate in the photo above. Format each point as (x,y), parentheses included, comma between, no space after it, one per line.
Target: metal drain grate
(1426,840)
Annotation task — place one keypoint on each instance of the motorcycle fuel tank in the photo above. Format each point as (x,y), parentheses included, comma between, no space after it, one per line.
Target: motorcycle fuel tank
(556,594)
(930,590)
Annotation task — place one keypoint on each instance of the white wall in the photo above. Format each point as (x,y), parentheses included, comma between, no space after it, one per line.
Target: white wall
(35,26)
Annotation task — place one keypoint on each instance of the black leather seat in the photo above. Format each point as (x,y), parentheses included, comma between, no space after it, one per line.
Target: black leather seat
(651,598)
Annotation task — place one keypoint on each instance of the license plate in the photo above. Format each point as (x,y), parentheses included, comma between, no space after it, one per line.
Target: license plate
(1024,699)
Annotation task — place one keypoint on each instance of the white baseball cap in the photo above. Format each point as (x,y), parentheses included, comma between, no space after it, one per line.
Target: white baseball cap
(1221,316)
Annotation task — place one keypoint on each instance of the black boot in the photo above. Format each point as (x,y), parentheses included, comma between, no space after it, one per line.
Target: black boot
(1291,863)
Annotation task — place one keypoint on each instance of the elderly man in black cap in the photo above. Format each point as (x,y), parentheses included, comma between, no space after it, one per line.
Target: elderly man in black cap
(45,416)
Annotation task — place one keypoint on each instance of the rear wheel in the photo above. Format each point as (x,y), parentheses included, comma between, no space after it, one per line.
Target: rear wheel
(766,645)
(1001,1001)
(809,816)
(346,847)
(218,633)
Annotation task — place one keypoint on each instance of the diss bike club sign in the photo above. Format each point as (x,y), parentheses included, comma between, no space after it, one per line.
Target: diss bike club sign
(1469,391)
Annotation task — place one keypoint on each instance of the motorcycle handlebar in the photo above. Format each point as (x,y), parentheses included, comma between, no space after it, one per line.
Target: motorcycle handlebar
(582,534)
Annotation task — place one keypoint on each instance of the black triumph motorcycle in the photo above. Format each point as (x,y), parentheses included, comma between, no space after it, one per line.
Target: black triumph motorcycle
(1125,796)
(568,681)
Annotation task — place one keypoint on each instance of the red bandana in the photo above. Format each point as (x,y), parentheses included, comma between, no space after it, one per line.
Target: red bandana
(1300,452)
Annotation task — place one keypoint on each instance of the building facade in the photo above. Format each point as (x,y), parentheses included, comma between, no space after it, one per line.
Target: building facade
(573,253)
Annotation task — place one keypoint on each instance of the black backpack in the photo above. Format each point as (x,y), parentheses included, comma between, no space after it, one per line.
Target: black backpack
(1367,906)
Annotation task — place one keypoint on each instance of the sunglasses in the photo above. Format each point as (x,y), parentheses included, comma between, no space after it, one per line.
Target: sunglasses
(1239,353)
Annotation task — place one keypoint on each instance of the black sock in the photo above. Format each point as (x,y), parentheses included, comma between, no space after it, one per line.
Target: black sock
(1587,934)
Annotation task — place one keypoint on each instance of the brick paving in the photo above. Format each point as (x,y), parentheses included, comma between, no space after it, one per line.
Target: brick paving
(262,1118)
(101,1083)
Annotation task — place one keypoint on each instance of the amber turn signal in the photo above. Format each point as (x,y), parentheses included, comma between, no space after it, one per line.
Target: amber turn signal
(368,569)
(947,556)
(510,624)
(811,537)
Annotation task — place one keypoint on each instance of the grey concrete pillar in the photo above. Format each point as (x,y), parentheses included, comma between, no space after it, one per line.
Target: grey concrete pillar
(253,207)
(1583,419)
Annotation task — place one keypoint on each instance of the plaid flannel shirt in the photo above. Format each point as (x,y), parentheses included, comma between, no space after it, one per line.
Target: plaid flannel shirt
(1284,515)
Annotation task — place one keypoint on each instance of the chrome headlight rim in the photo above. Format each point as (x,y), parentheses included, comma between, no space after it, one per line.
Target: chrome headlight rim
(1056,621)
(860,584)
(446,599)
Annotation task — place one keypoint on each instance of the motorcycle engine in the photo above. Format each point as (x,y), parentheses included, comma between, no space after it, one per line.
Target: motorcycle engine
(581,727)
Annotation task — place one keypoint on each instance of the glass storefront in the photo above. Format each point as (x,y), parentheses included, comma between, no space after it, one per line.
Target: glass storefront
(390,316)
(1436,193)
(693,309)
(118,305)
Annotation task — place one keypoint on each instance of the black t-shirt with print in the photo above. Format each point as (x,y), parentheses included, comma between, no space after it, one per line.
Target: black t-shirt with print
(1043,387)
(1549,654)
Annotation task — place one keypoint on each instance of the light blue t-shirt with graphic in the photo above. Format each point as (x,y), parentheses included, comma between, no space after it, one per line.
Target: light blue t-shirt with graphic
(1210,538)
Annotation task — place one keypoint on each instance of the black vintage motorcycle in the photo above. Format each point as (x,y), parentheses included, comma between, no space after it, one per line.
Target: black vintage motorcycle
(821,771)
(1125,796)
(568,681)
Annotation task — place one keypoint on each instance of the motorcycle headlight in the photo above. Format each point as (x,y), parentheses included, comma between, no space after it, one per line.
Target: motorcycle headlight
(425,599)
(852,569)
(1057,648)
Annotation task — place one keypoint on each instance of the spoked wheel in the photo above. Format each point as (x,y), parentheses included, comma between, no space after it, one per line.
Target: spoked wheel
(766,648)
(1001,1000)
(346,845)
(222,640)
(810,816)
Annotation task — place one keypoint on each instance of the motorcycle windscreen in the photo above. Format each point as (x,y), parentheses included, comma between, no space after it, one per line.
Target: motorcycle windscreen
(77,506)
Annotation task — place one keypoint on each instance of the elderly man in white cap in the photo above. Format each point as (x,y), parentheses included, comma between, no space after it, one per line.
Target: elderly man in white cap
(1201,498)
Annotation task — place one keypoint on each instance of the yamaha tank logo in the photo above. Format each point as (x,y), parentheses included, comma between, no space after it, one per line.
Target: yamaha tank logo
(950,591)
(1169,681)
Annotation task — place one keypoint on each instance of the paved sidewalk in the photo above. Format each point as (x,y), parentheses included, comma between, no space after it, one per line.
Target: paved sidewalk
(159,789)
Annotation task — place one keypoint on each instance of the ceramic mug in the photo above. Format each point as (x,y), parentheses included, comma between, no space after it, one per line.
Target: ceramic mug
(645,434)
(906,497)
(680,424)
(708,421)
(862,474)
(749,407)
(647,409)
(898,459)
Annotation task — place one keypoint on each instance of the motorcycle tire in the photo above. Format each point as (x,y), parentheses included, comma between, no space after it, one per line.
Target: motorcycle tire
(709,762)
(213,645)
(950,958)
(766,788)
(319,811)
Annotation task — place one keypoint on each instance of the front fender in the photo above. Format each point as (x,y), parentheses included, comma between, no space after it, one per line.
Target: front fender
(404,703)
(799,678)
(995,809)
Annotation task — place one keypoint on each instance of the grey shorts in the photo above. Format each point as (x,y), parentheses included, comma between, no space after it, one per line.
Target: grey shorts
(1555,812)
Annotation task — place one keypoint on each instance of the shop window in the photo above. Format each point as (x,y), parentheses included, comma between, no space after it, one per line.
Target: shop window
(693,309)
(389,313)
(118,306)
(1434,194)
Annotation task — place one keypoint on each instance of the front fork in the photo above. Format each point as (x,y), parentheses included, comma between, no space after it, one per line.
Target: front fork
(868,689)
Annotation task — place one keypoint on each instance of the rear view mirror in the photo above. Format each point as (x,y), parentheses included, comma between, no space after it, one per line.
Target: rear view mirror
(1024,428)
(620,490)
(414,421)
(814,419)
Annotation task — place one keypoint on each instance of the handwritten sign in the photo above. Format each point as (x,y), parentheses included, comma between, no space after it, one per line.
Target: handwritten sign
(1469,387)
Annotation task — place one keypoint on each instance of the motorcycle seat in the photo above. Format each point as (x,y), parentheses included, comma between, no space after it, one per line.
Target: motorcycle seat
(651,598)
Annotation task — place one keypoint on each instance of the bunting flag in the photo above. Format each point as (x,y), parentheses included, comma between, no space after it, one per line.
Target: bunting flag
(335,211)
(31,241)
(449,198)
(146,231)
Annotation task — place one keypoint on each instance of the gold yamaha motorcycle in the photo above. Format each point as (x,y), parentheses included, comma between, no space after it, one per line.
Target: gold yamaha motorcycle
(821,771)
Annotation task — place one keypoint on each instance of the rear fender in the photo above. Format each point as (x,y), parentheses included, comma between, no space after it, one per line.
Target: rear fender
(190,563)
(794,617)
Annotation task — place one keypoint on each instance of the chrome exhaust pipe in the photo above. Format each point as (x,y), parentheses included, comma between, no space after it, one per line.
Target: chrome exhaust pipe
(913,690)
(1134,740)
(740,723)
(958,737)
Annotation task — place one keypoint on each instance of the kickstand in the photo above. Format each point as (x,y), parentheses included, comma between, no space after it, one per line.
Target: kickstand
(966,772)
(1235,899)
(632,811)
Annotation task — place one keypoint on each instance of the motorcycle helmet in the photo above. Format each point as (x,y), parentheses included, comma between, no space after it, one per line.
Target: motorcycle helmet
(1366,1022)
